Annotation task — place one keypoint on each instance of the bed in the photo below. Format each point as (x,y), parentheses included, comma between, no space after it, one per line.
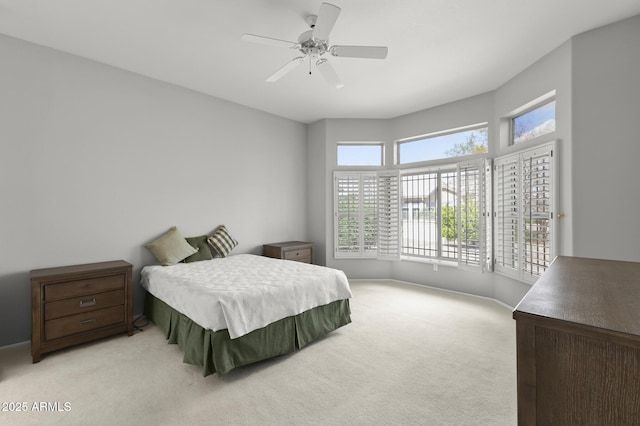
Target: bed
(228,312)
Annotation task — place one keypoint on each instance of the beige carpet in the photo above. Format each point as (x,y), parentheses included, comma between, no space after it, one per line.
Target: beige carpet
(411,356)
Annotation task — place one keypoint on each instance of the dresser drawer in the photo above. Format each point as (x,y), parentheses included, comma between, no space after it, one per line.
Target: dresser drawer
(78,305)
(83,287)
(299,255)
(80,323)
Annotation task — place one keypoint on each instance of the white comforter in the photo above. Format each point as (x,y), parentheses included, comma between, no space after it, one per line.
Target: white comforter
(244,292)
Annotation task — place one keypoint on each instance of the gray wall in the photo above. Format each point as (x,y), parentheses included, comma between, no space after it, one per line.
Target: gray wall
(96,161)
(606,156)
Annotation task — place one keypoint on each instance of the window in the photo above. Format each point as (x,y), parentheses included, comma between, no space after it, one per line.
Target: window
(356,214)
(523,218)
(470,141)
(428,214)
(359,154)
(387,214)
(535,122)
(443,214)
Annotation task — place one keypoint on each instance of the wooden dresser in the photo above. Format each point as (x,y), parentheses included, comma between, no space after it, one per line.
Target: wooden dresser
(578,345)
(79,303)
(299,251)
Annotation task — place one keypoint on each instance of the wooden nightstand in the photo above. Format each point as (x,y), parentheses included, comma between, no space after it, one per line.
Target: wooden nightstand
(299,251)
(75,304)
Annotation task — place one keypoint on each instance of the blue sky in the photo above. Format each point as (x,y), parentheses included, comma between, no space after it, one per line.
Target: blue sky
(433,148)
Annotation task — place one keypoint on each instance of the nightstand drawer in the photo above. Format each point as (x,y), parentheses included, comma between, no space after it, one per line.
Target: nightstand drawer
(298,251)
(83,322)
(83,287)
(78,305)
(299,255)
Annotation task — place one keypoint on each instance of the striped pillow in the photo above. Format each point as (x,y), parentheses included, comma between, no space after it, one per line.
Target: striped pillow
(221,241)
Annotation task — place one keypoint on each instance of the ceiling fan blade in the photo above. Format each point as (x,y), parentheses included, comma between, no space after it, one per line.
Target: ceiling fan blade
(327,17)
(268,41)
(369,52)
(329,73)
(285,69)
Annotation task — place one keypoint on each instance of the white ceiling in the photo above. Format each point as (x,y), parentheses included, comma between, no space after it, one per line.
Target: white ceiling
(439,50)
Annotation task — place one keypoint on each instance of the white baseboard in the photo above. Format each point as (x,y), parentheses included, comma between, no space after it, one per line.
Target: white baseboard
(435,288)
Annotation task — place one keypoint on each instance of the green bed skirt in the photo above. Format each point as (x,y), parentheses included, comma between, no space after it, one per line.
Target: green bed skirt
(215,352)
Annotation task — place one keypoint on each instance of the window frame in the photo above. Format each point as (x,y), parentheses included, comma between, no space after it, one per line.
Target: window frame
(483,200)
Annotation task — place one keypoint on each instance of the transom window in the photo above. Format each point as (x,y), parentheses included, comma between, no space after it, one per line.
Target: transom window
(360,154)
(471,140)
(533,123)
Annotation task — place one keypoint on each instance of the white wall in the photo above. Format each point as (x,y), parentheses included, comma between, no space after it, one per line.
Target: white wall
(606,154)
(316,188)
(96,161)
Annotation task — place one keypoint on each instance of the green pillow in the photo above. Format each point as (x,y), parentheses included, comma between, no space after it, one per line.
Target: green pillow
(200,243)
(170,248)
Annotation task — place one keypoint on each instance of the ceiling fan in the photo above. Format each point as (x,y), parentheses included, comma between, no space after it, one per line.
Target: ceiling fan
(314,44)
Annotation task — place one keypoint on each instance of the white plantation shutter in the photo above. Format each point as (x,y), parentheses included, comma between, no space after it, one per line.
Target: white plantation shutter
(355,214)
(389,215)
(506,184)
(469,219)
(537,211)
(524,202)
(369,215)
(487,219)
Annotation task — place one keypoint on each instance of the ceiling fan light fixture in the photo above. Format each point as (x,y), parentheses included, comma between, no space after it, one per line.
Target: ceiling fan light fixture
(329,73)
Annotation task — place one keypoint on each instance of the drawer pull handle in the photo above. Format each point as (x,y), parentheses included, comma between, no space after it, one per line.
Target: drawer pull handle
(84,303)
(87,321)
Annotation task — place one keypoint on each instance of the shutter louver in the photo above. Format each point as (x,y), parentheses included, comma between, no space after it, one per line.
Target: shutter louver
(506,180)
(536,212)
(355,206)
(369,215)
(389,215)
(348,212)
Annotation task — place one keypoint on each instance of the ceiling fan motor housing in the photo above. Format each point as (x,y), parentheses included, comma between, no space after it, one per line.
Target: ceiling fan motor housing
(311,46)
